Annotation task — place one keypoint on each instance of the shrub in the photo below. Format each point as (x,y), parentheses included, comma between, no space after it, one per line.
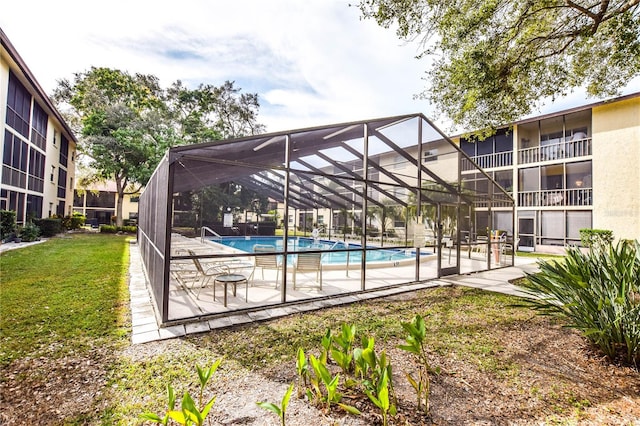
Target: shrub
(29,232)
(596,238)
(75,221)
(49,227)
(598,293)
(7,223)
(111,229)
(108,229)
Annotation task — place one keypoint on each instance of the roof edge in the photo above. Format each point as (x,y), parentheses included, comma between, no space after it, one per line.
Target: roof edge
(15,56)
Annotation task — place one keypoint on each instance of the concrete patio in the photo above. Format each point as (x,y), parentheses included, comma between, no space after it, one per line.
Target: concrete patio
(186,303)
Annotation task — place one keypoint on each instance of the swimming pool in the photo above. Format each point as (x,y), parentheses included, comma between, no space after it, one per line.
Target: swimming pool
(331,257)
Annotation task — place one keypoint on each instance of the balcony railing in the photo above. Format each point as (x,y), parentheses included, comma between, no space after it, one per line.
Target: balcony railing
(556,151)
(555,197)
(488,161)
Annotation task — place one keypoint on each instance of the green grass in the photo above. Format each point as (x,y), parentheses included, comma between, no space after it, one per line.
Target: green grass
(459,320)
(69,295)
(62,296)
(539,255)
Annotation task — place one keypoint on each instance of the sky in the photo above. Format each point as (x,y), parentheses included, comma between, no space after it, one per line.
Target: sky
(311,62)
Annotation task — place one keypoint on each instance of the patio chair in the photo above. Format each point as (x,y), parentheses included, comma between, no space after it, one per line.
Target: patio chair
(200,276)
(480,245)
(508,248)
(265,261)
(308,262)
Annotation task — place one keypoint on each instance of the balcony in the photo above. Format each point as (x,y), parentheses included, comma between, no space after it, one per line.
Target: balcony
(489,161)
(556,151)
(555,198)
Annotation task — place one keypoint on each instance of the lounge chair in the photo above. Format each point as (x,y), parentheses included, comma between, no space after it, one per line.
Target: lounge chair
(201,276)
(308,262)
(267,261)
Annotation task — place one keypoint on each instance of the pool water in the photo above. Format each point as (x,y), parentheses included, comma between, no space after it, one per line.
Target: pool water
(331,257)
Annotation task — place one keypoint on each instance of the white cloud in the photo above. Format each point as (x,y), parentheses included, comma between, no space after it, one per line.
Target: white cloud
(313,62)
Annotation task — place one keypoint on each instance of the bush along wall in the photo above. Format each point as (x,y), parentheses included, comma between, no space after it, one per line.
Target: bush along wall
(49,227)
(110,229)
(7,223)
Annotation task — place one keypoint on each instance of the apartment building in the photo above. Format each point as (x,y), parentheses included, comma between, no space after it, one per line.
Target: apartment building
(38,147)
(99,202)
(569,170)
(566,171)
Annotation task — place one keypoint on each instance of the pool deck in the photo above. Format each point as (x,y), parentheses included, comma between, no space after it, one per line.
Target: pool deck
(381,282)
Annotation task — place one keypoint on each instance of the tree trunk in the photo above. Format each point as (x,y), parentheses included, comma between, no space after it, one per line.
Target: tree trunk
(119,201)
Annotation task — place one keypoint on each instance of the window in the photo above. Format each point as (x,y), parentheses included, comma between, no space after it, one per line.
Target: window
(398,223)
(577,220)
(579,175)
(64,150)
(552,227)
(34,206)
(18,106)
(320,219)
(15,202)
(102,199)
(36,170)
(14,159)
(431,155)
(504,178)
(62,183)
(529,179)
(60,209)
(398,162)
(551,177)
(53,171)
(39,127)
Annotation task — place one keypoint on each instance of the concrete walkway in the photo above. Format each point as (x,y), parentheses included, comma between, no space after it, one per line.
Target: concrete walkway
(145,328)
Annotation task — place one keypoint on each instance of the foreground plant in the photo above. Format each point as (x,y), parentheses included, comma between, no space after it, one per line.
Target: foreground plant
(342,348)
(382,398)
(415,344)
(322,376)
(598,293)
(189,414)
(279,410)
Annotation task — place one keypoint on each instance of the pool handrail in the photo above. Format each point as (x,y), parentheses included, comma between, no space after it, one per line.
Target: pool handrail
(206,228)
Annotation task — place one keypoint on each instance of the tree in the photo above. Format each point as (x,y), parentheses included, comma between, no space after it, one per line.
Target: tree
(494,60)
(212,113)
(127,122)
(118,115)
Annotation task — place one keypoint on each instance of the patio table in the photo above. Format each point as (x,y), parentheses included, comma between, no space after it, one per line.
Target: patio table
(234,280)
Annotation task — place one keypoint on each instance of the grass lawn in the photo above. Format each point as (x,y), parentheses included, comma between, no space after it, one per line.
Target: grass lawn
(68,290)
(66,357)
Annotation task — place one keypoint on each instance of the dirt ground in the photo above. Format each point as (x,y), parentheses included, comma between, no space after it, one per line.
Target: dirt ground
(558,380)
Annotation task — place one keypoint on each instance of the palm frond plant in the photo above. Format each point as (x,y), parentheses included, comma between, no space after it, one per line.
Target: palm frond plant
(598,293)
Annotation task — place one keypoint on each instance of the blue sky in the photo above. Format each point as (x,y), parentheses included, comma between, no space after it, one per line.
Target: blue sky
(311,62)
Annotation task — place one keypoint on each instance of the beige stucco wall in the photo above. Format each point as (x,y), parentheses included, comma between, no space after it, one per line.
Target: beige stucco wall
(616,168)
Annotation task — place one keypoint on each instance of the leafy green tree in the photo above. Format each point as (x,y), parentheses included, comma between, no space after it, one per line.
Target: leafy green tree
(127,122)
(211,113)
(493,60)
(117,114)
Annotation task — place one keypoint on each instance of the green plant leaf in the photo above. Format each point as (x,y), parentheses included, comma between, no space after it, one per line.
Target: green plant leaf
(151,417)
(178,416)
(349,409)
(270,406)
(190,409)
(286,397)
(205,410)
(171,396)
